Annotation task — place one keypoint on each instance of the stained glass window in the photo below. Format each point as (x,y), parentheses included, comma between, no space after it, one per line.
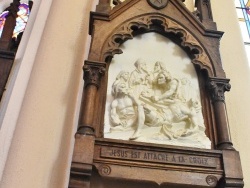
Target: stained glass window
(243,12)
(2,21)
(21,21)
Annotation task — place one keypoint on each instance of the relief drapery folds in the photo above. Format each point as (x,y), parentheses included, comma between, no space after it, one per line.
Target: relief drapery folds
(154,106)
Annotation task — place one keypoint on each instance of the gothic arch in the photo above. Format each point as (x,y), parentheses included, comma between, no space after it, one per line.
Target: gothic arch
(163,25)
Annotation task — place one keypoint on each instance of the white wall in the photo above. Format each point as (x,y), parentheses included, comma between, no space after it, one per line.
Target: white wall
(4,4)
(40,153)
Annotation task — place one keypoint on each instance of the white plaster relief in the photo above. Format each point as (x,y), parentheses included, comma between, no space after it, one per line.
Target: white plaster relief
(154,97)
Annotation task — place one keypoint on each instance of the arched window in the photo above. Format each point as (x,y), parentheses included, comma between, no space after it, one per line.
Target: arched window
(2,21)
(21,20)
(12,24)
(243,12)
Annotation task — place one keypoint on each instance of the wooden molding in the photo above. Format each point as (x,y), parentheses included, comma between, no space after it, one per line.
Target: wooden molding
(163,165)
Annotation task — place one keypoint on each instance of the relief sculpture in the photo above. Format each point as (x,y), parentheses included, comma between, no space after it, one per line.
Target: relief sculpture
(155,106)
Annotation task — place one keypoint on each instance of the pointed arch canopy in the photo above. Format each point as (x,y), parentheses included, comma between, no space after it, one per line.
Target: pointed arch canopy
(160,24)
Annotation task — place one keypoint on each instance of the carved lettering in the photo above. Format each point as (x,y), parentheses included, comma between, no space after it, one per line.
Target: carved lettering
(173,159)
(198,160)
(119,153)
(158,157)
(135,154)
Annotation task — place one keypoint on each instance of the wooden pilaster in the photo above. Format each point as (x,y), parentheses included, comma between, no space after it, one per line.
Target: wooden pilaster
(205,13)
(217,87)
(83,153)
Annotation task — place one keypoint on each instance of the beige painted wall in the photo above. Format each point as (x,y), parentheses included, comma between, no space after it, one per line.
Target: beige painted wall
(40,153)
(238,70)
(4,4)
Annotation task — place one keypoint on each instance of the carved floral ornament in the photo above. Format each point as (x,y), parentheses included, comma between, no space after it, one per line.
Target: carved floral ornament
(92,74)
(145,22)
(218,88)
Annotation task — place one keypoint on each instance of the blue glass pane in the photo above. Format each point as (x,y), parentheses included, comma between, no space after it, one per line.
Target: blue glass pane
(245,5)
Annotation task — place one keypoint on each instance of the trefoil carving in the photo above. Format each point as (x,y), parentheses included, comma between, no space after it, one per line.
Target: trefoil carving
(147,23)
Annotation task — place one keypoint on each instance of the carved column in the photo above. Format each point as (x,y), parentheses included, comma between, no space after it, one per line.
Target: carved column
(205,13)
(82,161)
(217,87)
(93,71)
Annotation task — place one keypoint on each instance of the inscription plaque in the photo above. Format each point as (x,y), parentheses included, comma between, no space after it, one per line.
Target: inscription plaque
(158,157)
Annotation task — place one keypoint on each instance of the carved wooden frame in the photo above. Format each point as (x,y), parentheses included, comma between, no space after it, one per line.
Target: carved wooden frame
(199,37)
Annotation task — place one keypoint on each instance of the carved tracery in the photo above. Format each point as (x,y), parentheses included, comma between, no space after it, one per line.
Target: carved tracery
(147,23)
